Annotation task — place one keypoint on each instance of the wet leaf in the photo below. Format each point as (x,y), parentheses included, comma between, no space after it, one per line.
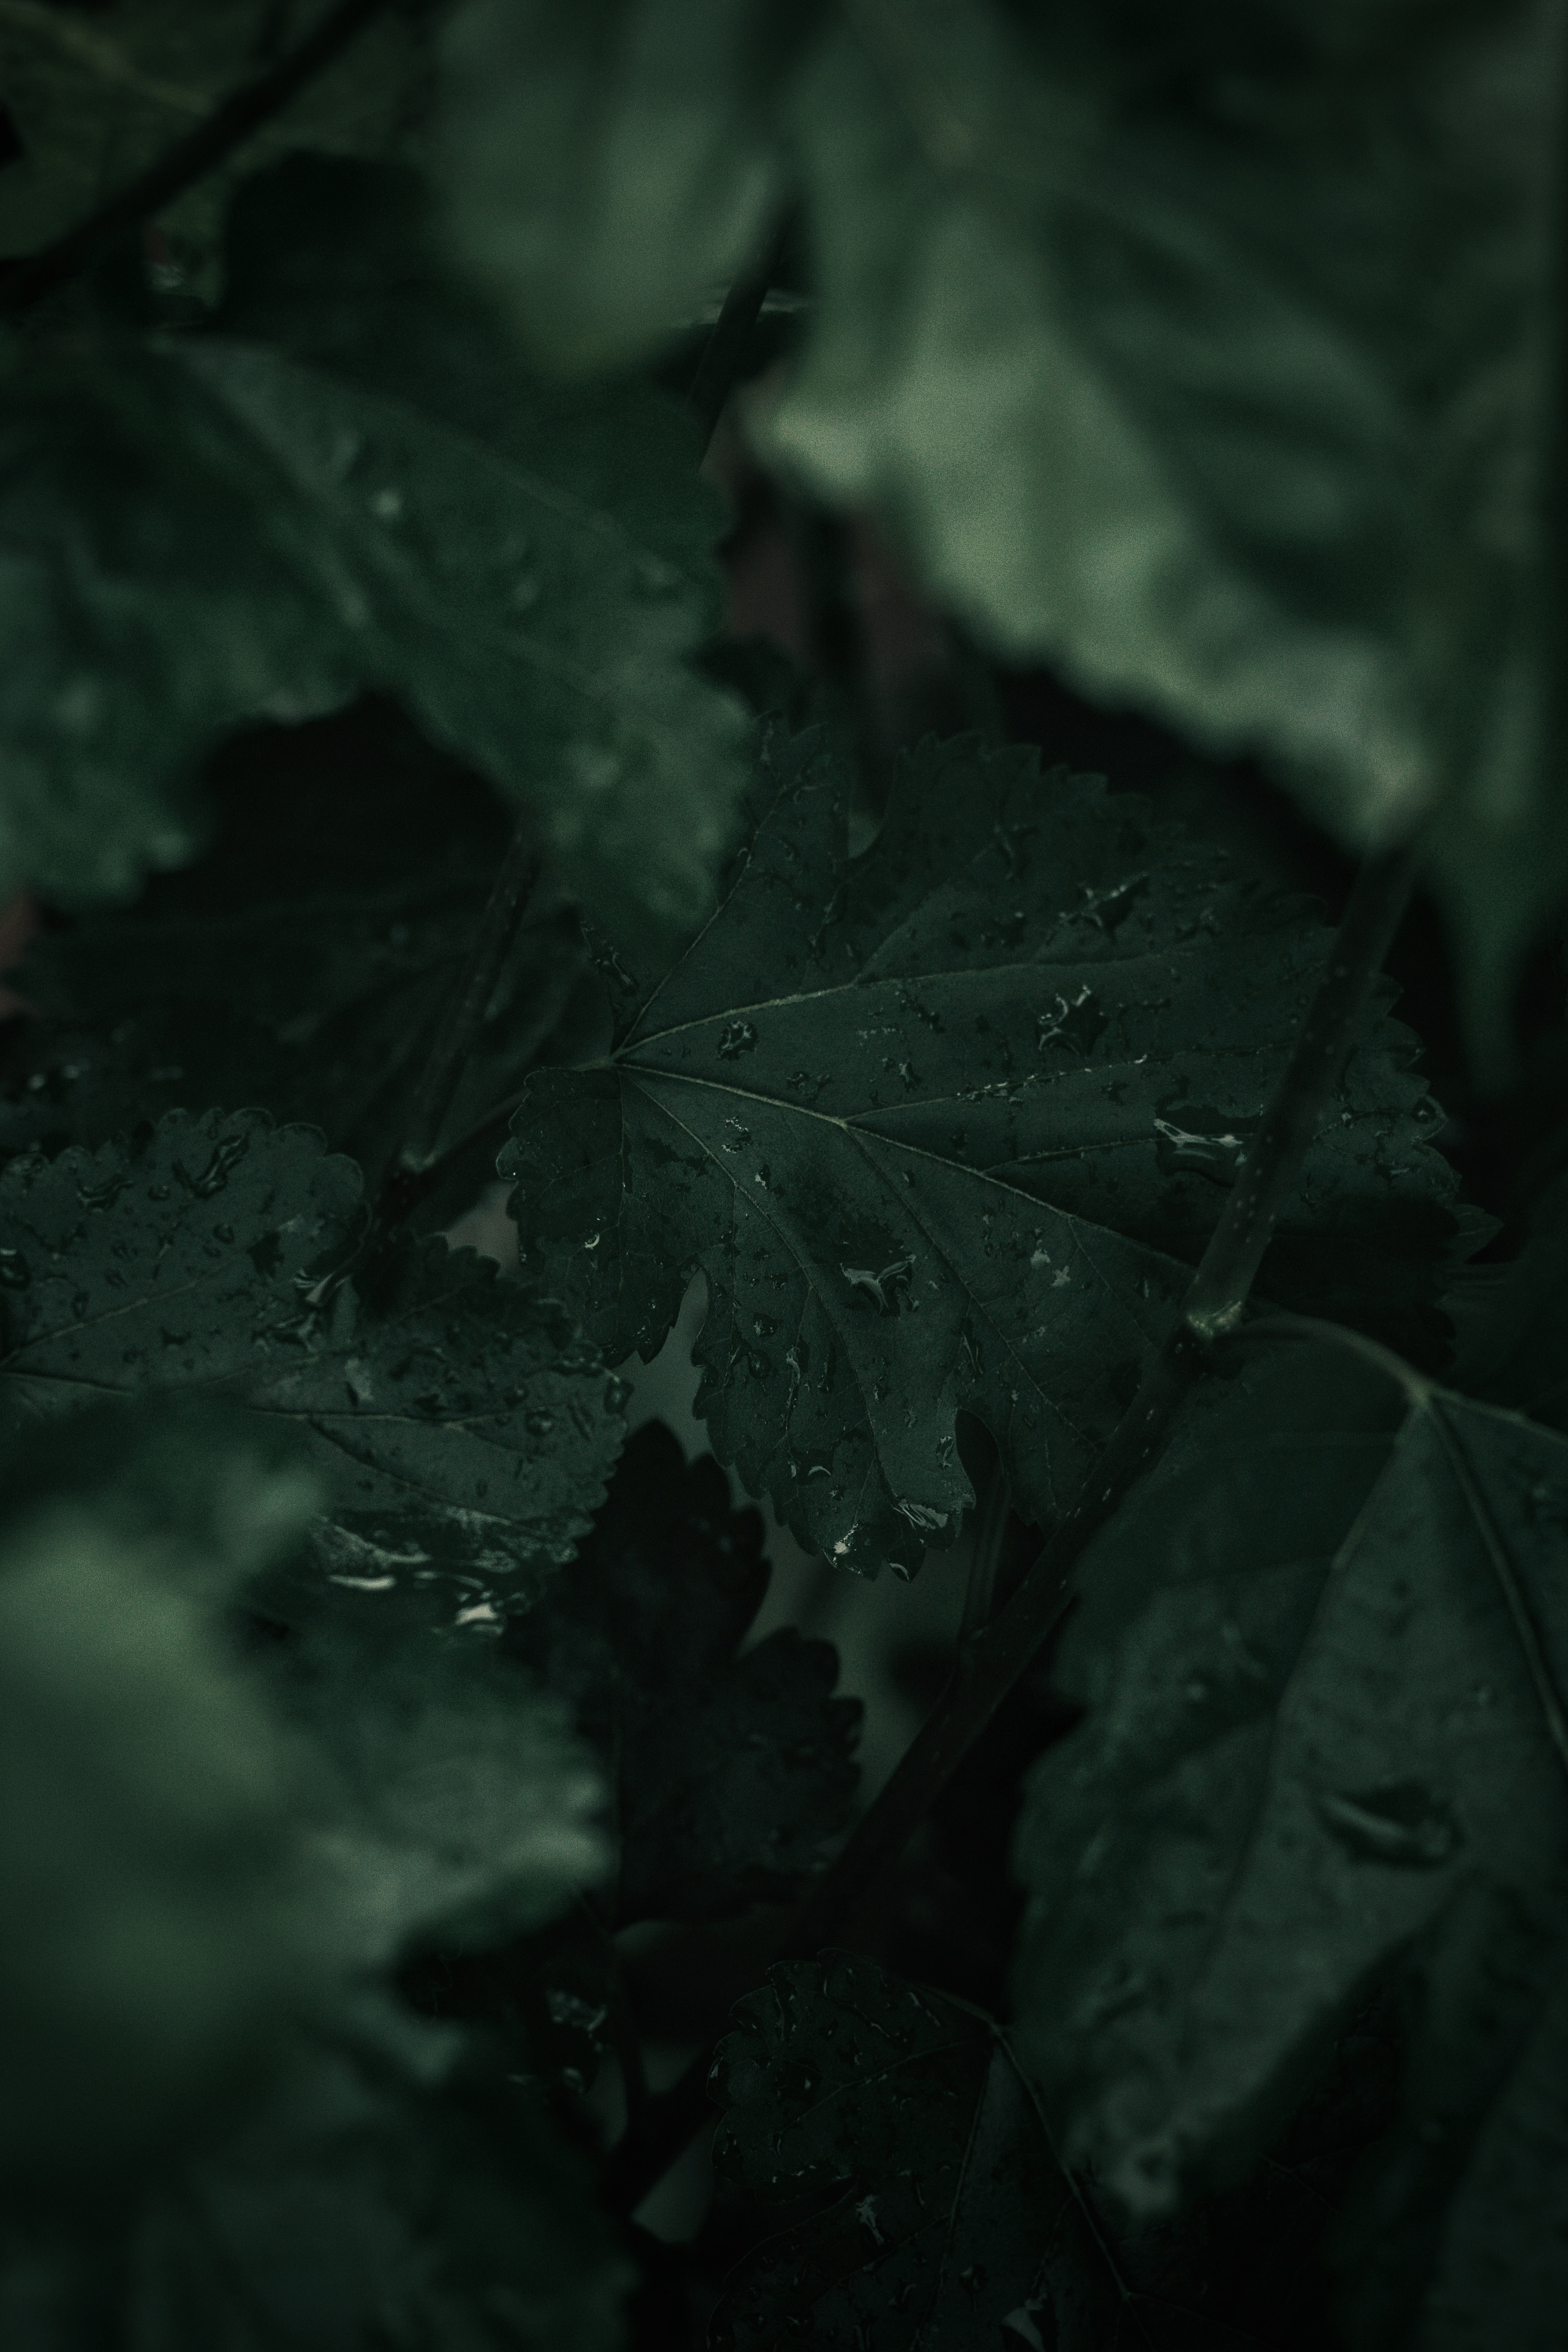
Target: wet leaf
(946,1126)
(948,2219)
(1321,1654)
(461,1431)
(347,482)
(727,1772)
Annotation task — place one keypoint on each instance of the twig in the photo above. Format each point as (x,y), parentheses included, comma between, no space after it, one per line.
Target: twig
(190,158)
(726,346)
(409,1171)
(1003,1652)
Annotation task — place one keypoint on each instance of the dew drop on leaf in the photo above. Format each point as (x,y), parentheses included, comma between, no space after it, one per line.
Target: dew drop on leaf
(736,1037)
(1403,1824)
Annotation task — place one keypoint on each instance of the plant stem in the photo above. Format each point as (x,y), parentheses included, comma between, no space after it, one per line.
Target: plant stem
(990,1534)
(1002,1652)
(409,1171)
(726,346)
(190,158)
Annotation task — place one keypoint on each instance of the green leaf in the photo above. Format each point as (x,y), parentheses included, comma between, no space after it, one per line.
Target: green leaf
(462,1433)
(951,2219)
(96,96)
(1322,1653)
(338,900)
(1211,360)
(153,1954)
(606,201)
(1509,1318)
(445,1800)
(347,483)
(728,1772)
(354,2212)
(946,1126)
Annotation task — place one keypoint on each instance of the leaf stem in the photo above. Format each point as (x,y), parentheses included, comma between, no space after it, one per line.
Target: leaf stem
(999,1654)
(985,1558)
(190,158)
(414,1162)
(726,346)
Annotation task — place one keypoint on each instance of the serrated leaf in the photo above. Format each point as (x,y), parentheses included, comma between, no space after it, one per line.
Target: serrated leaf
(1321,1654)
(1212,360)
(152,1952)
(946,1126)
(953,2221)
(338,900)
(347,482)
(95,97)
(354,2212)
(462,1432)
(727,1772)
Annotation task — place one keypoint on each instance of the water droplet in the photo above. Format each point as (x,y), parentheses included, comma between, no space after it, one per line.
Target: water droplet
(228,1153)
(386,505)
(652,576)
(736,1037)
(15,1271)
(1074,1023)
(539,1423)
(1215,1154)
(1402,1823)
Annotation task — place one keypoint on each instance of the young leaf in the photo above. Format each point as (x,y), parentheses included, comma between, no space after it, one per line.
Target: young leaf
(728,1772)
(339,900)
(354,2212)
(346,482)
(953,2220)
(462,1432)
(1212,360)
(1323,1655)
(96,95)
(153,1953)
(947,1126)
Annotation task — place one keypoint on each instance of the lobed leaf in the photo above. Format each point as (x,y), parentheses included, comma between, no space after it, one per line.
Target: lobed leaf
(461,1429)
(946,1126)
(1212,362)
(346,483)
(1322,1656)
(728,1772)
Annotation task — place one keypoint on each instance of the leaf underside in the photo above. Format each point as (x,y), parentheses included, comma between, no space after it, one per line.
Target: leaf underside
(947,1126)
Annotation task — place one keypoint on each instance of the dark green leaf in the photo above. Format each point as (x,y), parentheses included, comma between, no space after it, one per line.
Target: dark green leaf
(946,1126)
(1321,1654)
(353,2213)
(462,1432)
(337,902)
(153,1948)
(728,1773)
(952,2222)
(97,95)
(1511,1321)
(348,483)
(1209,356)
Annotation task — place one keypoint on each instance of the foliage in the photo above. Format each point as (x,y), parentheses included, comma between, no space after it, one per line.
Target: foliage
(402,1771)
(944,1127)
(1212,365)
